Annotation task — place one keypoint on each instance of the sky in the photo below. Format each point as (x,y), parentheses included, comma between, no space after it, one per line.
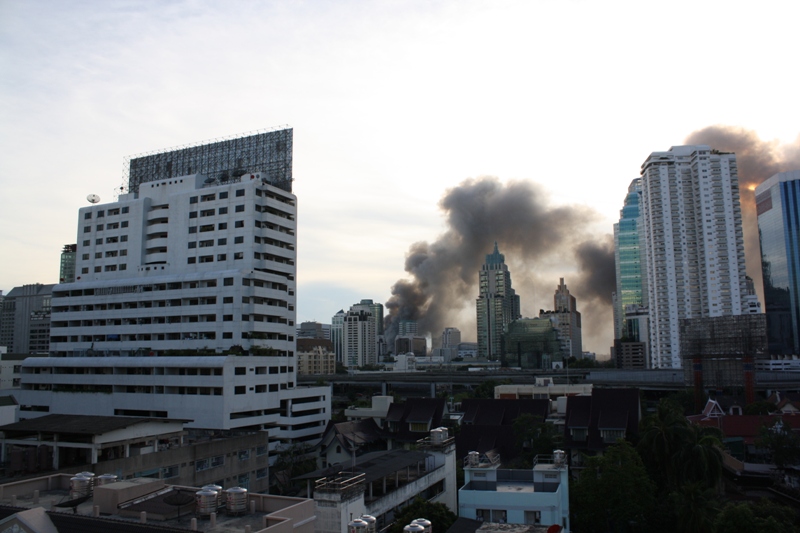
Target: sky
(396,106)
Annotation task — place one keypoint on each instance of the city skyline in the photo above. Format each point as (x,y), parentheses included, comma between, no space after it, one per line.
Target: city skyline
(394,107)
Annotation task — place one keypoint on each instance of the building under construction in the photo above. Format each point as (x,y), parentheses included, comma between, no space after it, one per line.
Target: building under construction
(719,353)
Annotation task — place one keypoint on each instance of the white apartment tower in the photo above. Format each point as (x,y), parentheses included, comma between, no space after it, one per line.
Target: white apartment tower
(694,251)
(197,259)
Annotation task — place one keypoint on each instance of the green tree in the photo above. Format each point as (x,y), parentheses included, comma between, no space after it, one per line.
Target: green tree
(533,436)
(735,518)
(781,442)
(699,459)
(613,493)
(486,389)
(696,508)
(438,513)
(663,436)
(760,408)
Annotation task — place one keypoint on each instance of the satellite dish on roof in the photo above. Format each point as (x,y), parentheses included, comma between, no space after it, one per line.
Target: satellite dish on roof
(93,198)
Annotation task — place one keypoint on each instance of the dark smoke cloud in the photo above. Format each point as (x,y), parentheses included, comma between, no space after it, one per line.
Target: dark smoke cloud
(531,233)
(756,160)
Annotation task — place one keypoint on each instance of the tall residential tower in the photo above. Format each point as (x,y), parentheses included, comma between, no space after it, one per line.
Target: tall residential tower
(694,250)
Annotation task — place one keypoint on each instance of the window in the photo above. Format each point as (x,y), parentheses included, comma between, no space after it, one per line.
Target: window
(239,209)
(111,268)
(207,213)
(192,245)
(223,195)
(98,241)
(223,210)
(111,239)
(87,242)
(227,335)
(193,200)
(112,225)
(222,242)
(85,270)
(192,229)
(123,238)
(98,255)
(207,198)
(221,257)
(206,258)
(244,455)
(85,257)
(238,240)
(227,300)
(579,433)
(222,225)
(123,253)
(238,224)
(239,192)
(239,389)
(227,282)
(97,269)
(238,255)
(227,318)
(240,371)
(87,229)
(125,210)
(192,260)
(418,427)
(193,214)
(87,216)
(99,227)
(261,473)
(123,266)
(124,224)
(101,214)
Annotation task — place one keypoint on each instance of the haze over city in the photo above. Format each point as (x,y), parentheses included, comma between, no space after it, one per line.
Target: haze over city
(424,132)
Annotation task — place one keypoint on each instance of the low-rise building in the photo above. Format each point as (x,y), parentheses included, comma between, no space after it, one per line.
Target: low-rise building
(380,483)
(539,496)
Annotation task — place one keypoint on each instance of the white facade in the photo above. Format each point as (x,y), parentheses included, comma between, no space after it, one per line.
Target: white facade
(536,497)
(214,392)
(694,251)
(359,339)
(182,264)
(185,268)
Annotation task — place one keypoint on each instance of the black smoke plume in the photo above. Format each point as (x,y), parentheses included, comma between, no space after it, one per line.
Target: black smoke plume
(756,160)
(534,236)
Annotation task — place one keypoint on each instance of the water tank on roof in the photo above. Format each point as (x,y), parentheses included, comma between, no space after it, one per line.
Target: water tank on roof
(236,500)
(558,457)
(105,479)
(218,490)
(206,502)
(357,526)
(425,523)
(436,436)
(413,528)
(79,486)
(370,520)
(445,433)
(473,459)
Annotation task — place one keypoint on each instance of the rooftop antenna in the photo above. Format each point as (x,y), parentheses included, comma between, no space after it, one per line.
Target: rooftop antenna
(93,198)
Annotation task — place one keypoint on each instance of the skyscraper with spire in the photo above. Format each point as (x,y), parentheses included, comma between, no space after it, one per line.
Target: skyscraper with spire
(497,305)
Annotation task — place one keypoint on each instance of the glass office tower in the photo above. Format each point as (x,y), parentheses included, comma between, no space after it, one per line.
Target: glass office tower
(778,207)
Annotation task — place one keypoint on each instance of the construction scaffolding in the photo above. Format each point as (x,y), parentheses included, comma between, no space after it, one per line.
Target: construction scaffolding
(718,353)
(267,151)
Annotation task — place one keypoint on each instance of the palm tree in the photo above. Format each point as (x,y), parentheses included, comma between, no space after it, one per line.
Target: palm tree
(664,435)
(700,458)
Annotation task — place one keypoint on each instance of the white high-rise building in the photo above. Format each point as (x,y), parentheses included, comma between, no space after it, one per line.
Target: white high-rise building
(358,339)
(198,259)
(694,250)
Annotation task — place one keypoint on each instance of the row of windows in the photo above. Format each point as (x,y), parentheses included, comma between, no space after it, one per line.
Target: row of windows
(109,253)
(111,212)
(107,268)
(108,240)
(212,197)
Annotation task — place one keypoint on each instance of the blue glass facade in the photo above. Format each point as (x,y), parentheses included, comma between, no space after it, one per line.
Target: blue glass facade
(628,254)
(778,207)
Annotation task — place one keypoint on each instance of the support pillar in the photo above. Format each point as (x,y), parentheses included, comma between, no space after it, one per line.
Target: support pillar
(433,389)
(383,388)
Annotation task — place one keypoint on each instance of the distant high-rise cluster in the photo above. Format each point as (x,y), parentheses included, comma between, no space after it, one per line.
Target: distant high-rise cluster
(497,306)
